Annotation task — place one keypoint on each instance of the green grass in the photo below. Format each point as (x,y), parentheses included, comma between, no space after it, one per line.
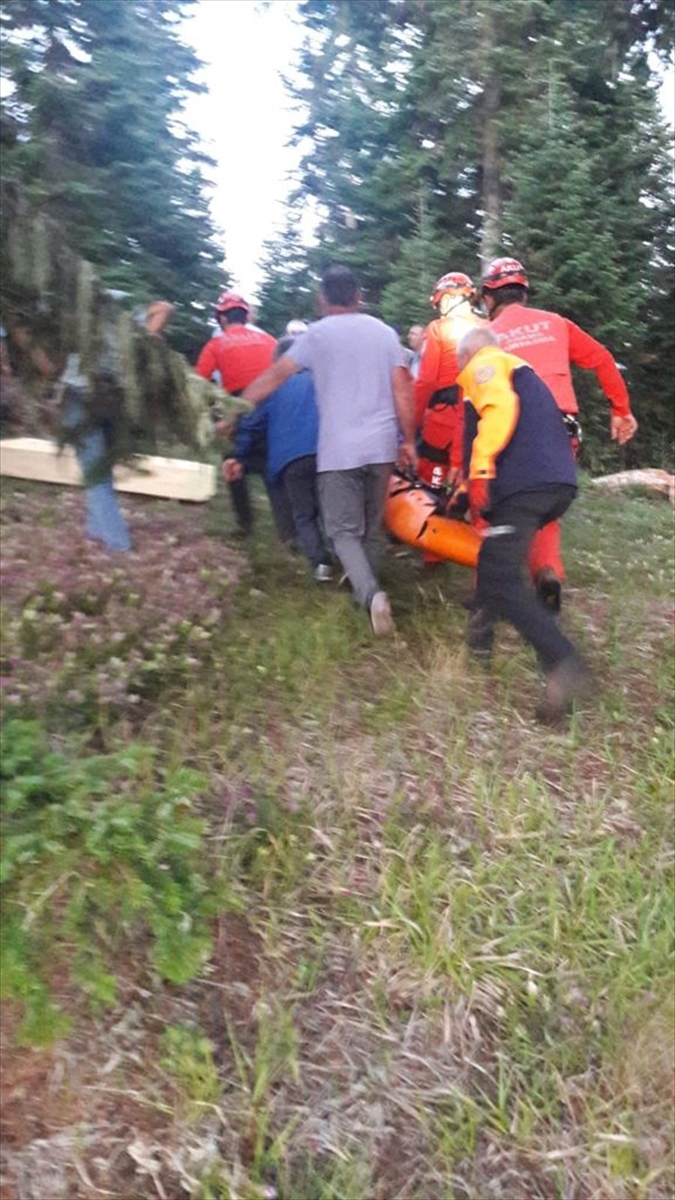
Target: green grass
(429,953)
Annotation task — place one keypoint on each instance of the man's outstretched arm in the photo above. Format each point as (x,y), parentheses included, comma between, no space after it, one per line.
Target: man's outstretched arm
(270,380)
(402,388)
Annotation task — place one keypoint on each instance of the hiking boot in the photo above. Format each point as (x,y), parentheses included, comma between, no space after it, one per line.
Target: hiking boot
(323,573)
(568,681)
(381,619)
(480,635)
(549,589)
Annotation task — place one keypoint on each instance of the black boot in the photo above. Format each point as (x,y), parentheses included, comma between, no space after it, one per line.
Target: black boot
(480,635)
(549,589)
(568,681)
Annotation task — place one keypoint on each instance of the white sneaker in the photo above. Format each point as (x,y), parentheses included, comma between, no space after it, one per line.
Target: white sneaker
(380,615)
(323,573)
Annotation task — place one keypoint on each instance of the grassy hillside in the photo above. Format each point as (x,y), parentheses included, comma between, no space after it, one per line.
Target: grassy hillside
(292,914)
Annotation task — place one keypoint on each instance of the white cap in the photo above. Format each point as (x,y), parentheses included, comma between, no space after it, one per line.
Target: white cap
(296,327)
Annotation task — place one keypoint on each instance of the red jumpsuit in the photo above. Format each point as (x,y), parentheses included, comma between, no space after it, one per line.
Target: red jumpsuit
(550,343)
(438,402)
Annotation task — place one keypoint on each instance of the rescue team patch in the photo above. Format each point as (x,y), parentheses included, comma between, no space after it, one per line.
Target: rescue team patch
(484,373)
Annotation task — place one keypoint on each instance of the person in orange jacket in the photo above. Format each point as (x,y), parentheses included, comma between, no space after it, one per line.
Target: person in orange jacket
(521,475)
(551,344)
(438,411)
(438,403)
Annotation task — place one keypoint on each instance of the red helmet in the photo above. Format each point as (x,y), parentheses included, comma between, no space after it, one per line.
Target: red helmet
(454,281)
(229,300)
(504,271)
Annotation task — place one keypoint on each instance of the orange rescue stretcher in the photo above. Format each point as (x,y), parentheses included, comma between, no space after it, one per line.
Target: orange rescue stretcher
(412,515)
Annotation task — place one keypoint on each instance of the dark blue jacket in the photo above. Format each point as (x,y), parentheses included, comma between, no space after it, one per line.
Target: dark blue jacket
(514,434)
(289,422)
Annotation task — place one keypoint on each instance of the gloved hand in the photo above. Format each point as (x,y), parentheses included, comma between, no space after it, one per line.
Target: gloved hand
(479,502)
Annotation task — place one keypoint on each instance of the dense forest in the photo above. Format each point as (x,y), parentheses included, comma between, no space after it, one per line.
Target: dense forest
(436,135)
(445,132)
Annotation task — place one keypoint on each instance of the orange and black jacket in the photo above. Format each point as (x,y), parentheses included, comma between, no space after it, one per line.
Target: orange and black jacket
(514,433)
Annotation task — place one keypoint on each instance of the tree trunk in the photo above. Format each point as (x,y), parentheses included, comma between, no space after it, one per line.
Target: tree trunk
(491,190)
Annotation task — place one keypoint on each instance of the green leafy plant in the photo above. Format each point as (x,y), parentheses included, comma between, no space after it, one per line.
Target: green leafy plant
(97,850)
(188,1058)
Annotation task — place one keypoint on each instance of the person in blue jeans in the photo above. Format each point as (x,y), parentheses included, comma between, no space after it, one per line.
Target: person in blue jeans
(287,422)
(93,437)
(90,440)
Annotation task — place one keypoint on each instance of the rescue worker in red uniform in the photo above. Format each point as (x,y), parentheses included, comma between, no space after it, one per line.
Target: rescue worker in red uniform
(240,353)
(438,407)
(551,344)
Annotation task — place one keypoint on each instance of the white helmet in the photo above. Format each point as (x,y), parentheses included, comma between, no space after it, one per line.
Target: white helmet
(295,327)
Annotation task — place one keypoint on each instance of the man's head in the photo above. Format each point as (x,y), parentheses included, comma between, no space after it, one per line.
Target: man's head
(231,309)
(472,342)
(504,282)
(295,327)
(339,288)
(416,337)
(451,290)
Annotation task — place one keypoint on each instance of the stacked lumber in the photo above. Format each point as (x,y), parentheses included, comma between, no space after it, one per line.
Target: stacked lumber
(150,475)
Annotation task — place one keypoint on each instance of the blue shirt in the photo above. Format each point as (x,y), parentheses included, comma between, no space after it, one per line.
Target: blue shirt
(289,421)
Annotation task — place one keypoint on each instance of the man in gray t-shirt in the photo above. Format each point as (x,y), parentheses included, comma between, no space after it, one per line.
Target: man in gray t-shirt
(366,424)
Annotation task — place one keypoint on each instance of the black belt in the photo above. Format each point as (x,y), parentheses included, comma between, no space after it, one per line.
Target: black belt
(445,395)
(436,454)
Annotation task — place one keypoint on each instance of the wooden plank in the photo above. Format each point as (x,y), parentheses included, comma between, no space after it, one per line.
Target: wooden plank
(169,478)
(651,478)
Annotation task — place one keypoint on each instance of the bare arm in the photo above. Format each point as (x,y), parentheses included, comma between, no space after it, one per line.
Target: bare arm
(270,380)
(427,374)
(401,383)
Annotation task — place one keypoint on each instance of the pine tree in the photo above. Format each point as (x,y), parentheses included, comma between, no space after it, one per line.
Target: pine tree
(101,146)
(290,286)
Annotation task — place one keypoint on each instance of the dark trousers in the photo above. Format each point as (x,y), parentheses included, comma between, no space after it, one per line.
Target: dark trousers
(501,591)
(240,495)
(300,485)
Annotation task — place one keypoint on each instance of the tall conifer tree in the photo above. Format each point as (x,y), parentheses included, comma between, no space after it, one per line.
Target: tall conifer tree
(98,140)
